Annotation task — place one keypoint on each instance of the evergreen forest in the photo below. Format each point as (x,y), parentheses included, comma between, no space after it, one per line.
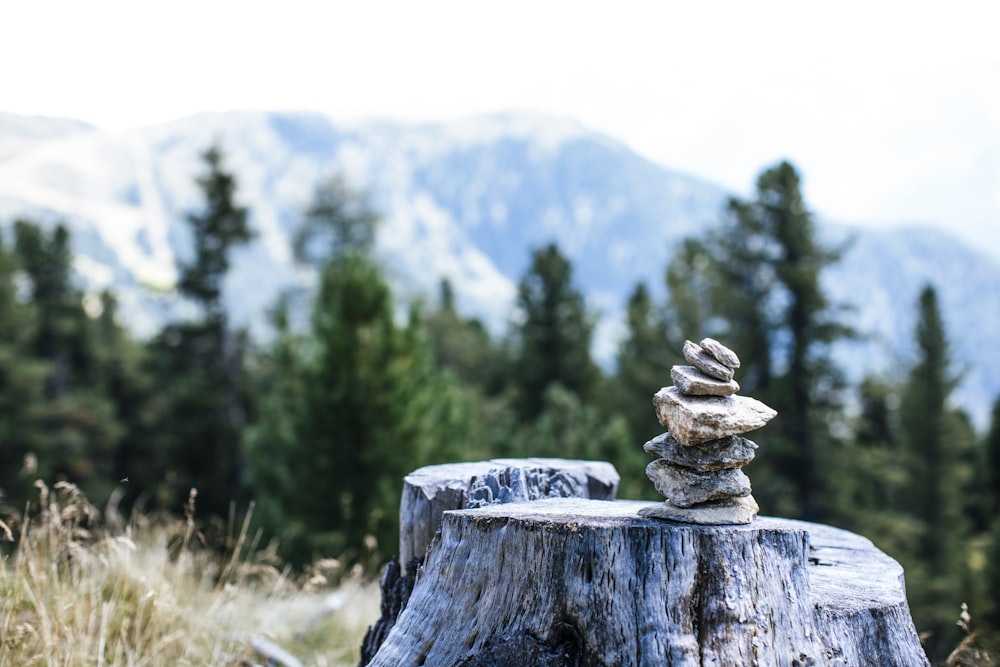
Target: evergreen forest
(315,427)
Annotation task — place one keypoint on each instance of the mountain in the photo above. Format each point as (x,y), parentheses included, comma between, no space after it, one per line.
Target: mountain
(465,200)
(882,275)
(19,134)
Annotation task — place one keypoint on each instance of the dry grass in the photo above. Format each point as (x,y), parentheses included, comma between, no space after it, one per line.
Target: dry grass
(148,593)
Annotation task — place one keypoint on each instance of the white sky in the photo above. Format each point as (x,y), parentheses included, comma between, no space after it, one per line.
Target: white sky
(891,110)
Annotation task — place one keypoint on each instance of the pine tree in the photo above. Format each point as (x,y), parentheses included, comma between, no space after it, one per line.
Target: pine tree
(463,346)
(22,387)
(60,336)
(872,473)
(742,288)
(371,408)
(555,336)
(352,405)
(880,479)
(991,464)
(221,225)
(199,364)
(276,442)
(121,377)
(339,219)
(764,267)
(55,410)
(991,577)
(936,443)
(924,415)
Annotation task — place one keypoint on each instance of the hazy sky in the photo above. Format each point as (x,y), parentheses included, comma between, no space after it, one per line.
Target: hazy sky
(891,110)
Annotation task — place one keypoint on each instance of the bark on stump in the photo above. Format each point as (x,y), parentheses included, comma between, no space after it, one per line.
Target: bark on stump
(580,582)
(430,491)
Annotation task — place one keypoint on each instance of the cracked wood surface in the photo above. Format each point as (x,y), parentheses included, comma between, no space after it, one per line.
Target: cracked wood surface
(587,582)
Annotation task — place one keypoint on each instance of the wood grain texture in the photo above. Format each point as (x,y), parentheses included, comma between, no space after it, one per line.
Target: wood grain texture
(430,491)
(583,582)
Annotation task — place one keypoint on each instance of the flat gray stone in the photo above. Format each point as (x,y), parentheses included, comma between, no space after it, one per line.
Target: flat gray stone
(694,419)
(685,487)
(729,512)
(729,452)
(706,363)
(722,354)
(693,382)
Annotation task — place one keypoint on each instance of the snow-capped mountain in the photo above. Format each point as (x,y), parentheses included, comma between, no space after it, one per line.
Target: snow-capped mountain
(465,200)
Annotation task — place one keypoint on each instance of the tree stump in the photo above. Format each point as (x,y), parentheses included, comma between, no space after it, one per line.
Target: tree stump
(430,491)
(582,582)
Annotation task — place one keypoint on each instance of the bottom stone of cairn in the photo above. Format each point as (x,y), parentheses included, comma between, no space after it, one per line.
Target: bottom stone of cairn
(731,511)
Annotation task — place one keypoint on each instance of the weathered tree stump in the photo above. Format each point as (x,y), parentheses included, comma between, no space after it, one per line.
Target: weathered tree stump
(430,491)
(581,582)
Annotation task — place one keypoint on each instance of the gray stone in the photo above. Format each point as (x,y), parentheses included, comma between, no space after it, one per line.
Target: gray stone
(733,511)
(729,452)
(685,487)
(706,363)
(695,419)
(722,354)
(693,382)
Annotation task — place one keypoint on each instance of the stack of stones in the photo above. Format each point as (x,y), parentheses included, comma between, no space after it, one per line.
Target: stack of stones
(700,455)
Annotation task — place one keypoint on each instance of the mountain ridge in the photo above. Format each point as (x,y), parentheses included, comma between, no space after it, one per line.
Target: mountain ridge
(464,200)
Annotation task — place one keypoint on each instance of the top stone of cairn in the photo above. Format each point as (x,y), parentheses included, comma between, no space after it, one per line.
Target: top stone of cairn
(706,362)
(720,352)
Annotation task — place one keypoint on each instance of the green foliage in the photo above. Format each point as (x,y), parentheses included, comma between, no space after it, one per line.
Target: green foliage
(555,335)
(938,444)
(339,220)
(990,467)
(992,577)
(45,260)
(992,446)
(221,225)
(928,429)
(56,418)
(645,357)
(21,383)
(199,409)
(194,419)
(738,281)
(871,491)
(780,232)
(353,410)
(463,347)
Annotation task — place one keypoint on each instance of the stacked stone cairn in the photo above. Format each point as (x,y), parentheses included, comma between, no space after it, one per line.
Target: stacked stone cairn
(700,455)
